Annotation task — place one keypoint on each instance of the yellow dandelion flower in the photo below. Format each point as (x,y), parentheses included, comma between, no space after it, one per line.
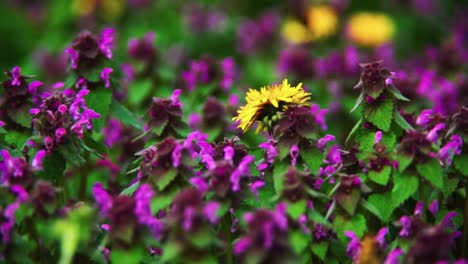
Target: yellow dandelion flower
(370,29)
(322,21)
(266,103)
(296,32)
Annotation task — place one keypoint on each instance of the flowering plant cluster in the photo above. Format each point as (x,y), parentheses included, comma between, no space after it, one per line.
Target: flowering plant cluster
(297,132)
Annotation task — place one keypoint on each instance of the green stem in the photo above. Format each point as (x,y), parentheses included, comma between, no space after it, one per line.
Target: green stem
(83,182)
(227,231)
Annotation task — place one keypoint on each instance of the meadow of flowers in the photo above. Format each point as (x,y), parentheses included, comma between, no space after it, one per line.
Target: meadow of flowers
(295,131)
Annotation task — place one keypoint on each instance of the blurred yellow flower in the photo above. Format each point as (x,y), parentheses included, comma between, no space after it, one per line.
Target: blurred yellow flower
(264,106)
(322,21)
(110,8)
(296,32)
(370,29)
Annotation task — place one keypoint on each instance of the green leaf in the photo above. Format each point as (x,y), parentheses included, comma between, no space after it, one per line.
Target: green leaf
(54,165)
(279,170)
(16,138)
(99,100)
(405,186)
(130,189)
(72,154)
(162,201)
(93,146)
(450,186)
(201,238)
(357,224)
(396,93)
(380,115)
(170,251)
(297,209)
(358,102)
(21,116)
(313,158)
(133,255)
(401,121)
(371,208)
(299,241)
(403,161)
(380,177)
(139,90)
(320,249)
(461,163)
(164,180)
(432,171)
(124,115)
(382,202)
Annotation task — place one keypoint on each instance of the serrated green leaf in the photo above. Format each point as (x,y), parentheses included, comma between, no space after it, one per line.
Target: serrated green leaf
(99,100)
(16,138)
(313,158)
(401,121)
(461,163)
(72,154)
(162,201)
(371,208)
(380,177)
(396,93)
(349,201)
(357,224)
(450,186)
(432,171)
(299,241)
(124,115)
(170,251)
(382,202)
(201,238)
(297,209)
(403,161)
(404,187)
(130,189)
(380,115)
(320,249)
(164,180)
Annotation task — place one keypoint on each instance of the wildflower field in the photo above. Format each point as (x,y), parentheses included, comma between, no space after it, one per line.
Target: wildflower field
(294,131)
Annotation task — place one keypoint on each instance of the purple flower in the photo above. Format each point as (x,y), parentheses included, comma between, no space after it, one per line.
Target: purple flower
(2,123)
(319,115)
(103,199)
(105,77)
(37,160)
(405,222)
(354,246)
(434,207)
(447,220)
(378,137)
(418,210)
(453,147)
(333,156)
(242,245)
(143,210)
(199,183)
(143,49)
(271,151)
(433,134)
(229,73)
(211,211)
(255,186)
(294,152)
(425,117)
(33,86)
(113,132)
(394,256)
(380,237)
(106,43)
(194,120)
(16,75)
(242,169)
(322,142)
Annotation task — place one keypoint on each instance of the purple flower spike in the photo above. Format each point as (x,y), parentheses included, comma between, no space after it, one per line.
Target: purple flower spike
(16,75)
(453,147)
(143,210)
(322,142)
(105,77)
(228,153)
(394,256)
(20,192)
(354,246)
(447,220)
(103,199)
(73,55)
(37,160)
(211,211)
(242,169)
(194,120)
(434,207)
(279,216)
(319,115)
(2,123)
(233,100)
(33,86)
(380,237)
